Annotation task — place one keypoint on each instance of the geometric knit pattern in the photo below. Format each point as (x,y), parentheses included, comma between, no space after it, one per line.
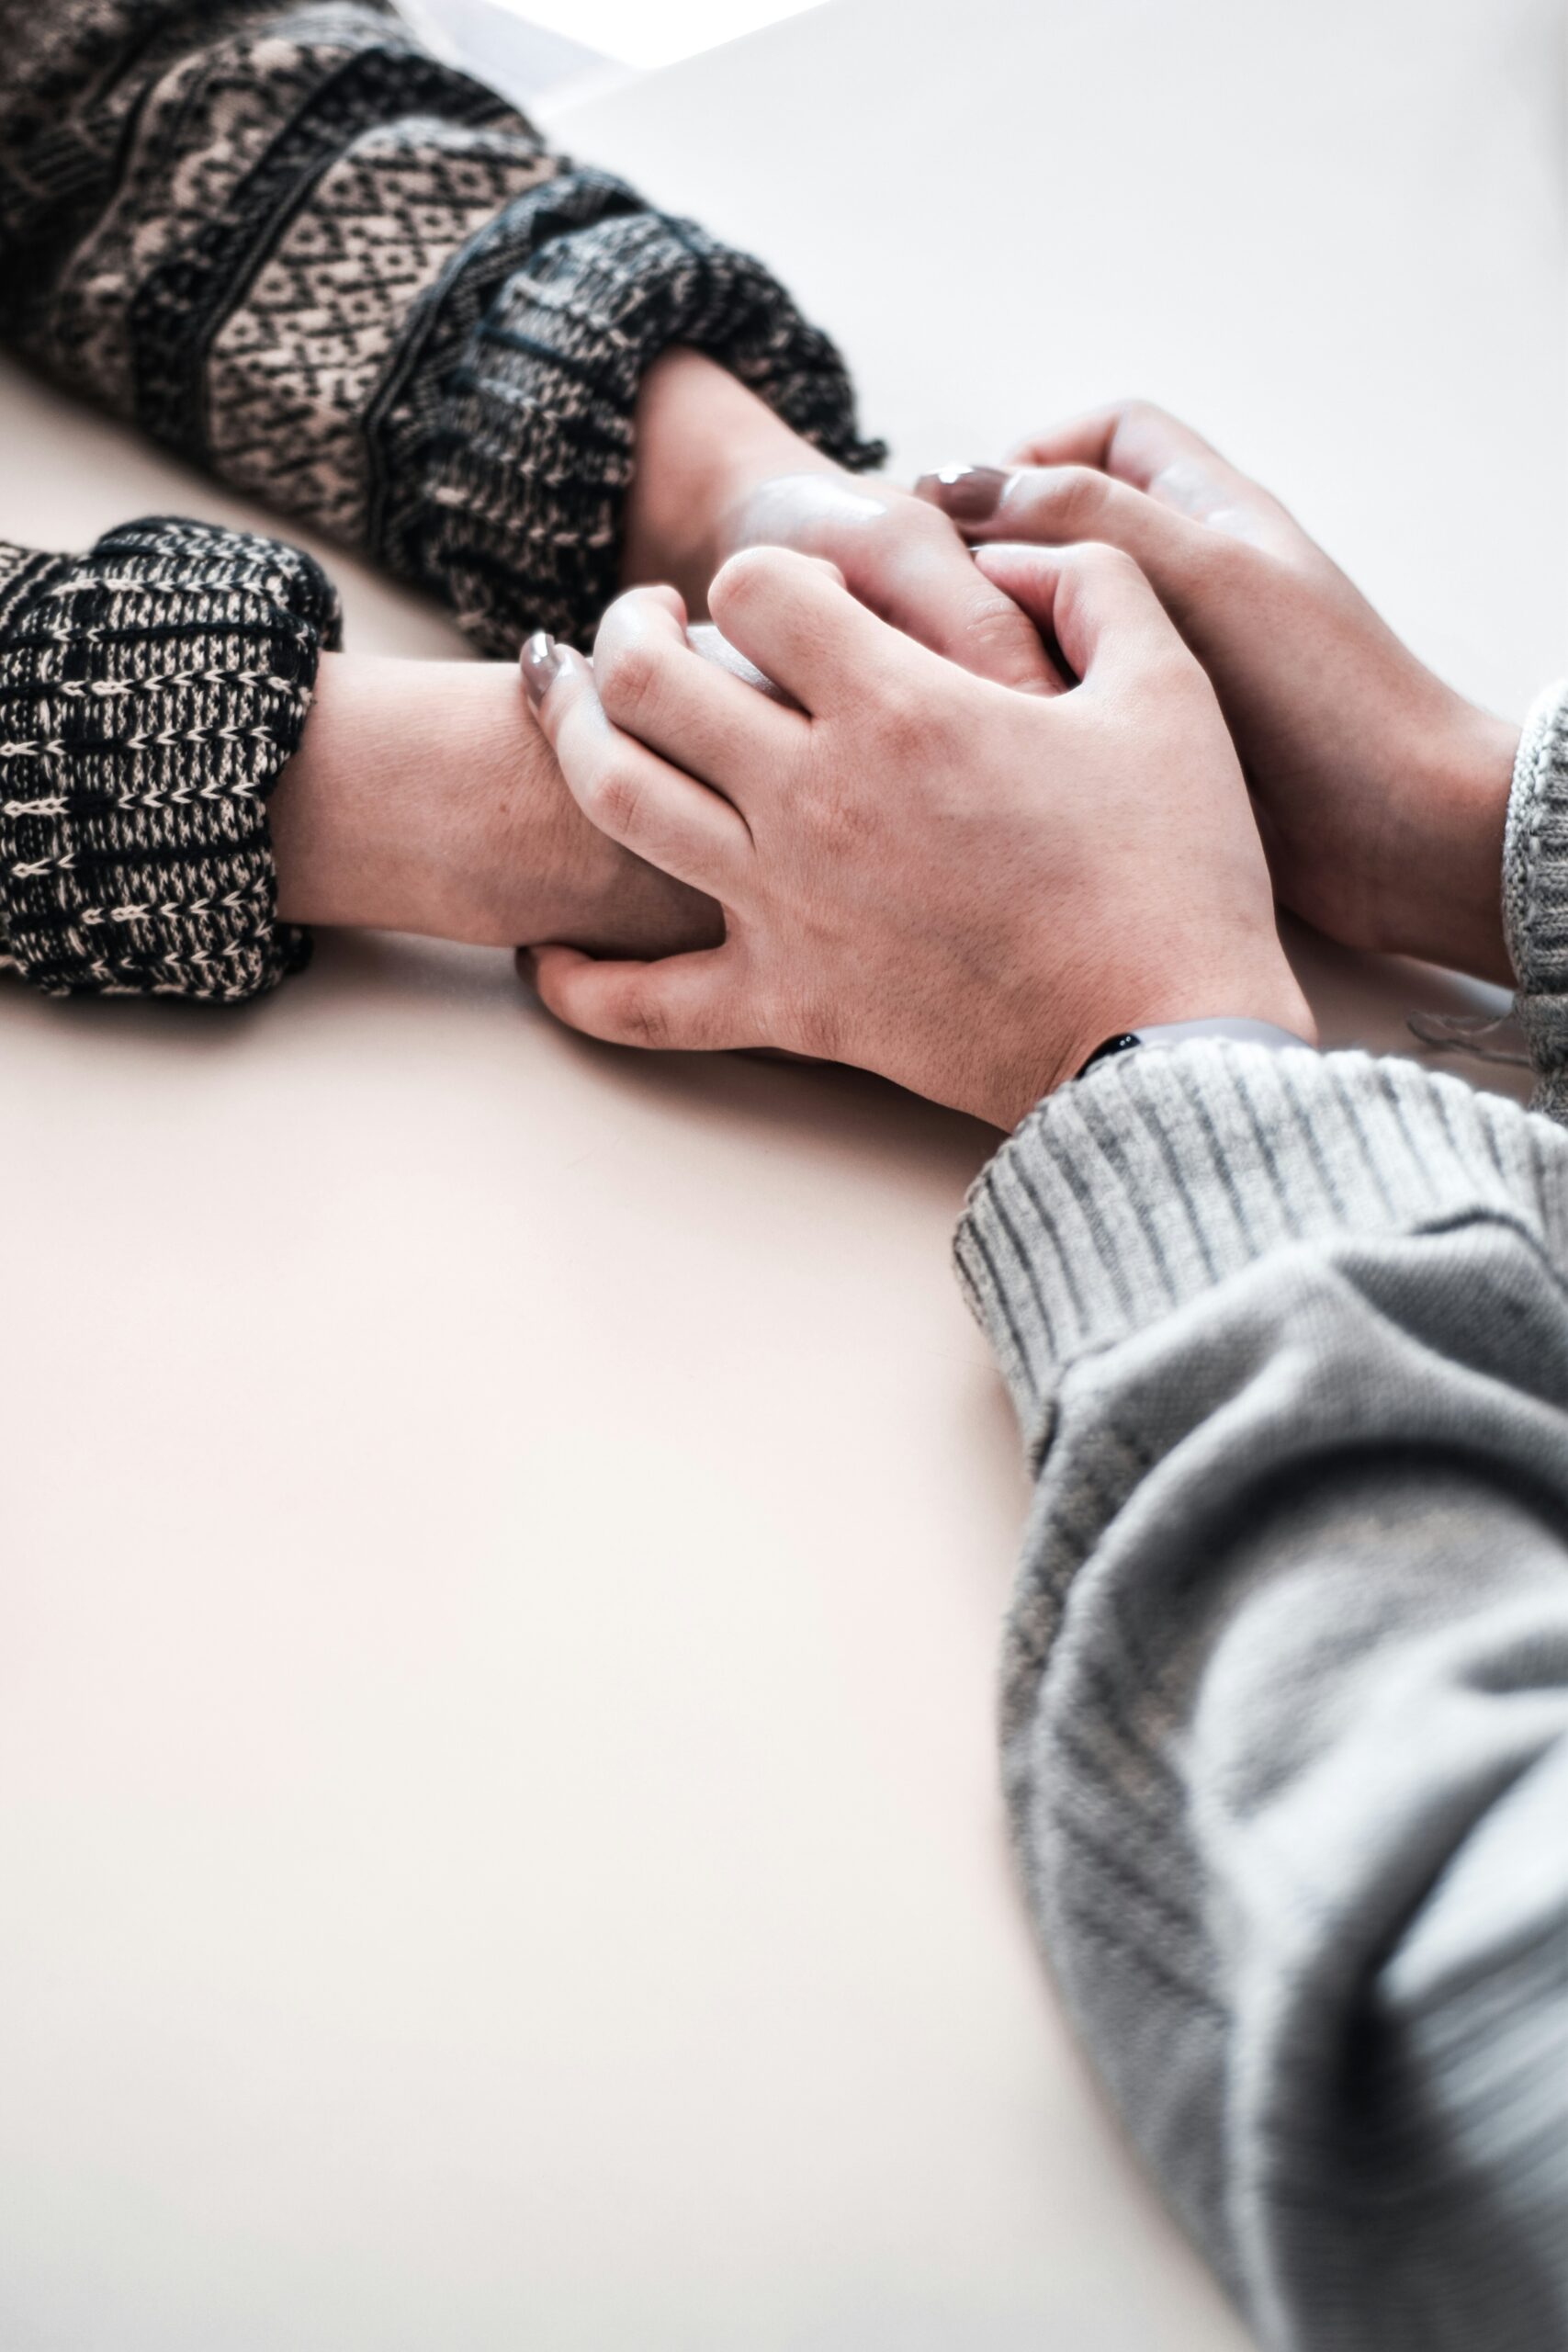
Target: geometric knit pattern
(299,249)
(150,693)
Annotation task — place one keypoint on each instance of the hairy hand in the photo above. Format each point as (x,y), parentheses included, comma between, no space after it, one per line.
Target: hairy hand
(961,886)
(1382,794)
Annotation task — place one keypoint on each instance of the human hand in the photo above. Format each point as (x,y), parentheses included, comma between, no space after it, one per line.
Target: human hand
(1380,793)
(965,887)
(423,797)
(717,472)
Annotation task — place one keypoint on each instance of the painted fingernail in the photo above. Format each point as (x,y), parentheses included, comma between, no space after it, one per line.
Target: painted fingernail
(969,494)
(540,662)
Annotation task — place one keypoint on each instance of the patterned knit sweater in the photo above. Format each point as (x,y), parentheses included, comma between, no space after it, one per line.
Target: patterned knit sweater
(292,245)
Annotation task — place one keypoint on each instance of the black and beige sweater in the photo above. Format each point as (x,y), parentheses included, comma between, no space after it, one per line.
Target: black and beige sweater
(289,244)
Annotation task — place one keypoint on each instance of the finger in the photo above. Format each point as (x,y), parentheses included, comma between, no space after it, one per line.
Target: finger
(1135,440)
(930,590)
(790,615)
(626,790)
(704,639)
(1057,505)
(1096,603)
(654,685)
(1150,450)
(682,1004)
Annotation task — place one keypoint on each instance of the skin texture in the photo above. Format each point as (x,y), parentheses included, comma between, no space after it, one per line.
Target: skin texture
(964,887)
(423,797)
(1380,793)
(717,472)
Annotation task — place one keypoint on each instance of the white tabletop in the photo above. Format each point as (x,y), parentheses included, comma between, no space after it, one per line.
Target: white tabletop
(500,1544)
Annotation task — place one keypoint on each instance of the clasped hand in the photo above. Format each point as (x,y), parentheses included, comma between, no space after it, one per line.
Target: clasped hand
(967,872)
(961,886)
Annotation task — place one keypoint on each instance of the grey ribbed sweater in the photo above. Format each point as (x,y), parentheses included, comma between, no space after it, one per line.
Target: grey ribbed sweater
(1285,1690)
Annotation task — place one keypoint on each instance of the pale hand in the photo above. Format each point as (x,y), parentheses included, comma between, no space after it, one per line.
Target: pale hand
(423,797)
(965,887)
(1382,794)
(717,472)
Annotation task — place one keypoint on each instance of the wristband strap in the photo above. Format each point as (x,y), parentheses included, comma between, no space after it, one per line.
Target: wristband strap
(1180,1032)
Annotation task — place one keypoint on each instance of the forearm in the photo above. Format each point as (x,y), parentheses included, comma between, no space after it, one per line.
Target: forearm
(403,770)
(350,280)
(1287,1685)
(423,797)
(702,440)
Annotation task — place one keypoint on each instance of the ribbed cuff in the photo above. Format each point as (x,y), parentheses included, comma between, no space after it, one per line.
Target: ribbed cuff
(1160,1175)
(518,516)
(1534,894)
(150,693)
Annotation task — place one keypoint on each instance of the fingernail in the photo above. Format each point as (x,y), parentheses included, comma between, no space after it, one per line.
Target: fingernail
(540,662)
(964,493)
(969,494)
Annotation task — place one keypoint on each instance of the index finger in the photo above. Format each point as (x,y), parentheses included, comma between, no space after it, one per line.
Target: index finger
(931,590)
(792,616)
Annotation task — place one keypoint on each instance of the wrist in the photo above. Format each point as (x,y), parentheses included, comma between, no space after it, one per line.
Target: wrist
(703,443)
(1261,992)
(423,797)
(1446,903)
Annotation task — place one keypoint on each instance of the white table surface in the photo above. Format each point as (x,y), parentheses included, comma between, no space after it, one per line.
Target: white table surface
(500,1544)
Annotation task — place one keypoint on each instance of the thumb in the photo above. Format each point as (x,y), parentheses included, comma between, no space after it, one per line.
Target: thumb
(682,1004)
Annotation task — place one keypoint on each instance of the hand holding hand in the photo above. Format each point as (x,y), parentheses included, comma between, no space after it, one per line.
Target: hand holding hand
(423,797)
(1382,794)
(963,886)
(717,472)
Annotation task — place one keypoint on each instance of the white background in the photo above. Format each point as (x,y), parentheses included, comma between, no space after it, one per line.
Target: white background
(502,1544)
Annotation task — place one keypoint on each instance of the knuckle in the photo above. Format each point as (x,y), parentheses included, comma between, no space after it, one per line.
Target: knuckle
(1139,410)
(613,798)
(1080,497)
(996,626)
(626,673)
(749,575)
(905,735)
(1103,566)
(643,1022)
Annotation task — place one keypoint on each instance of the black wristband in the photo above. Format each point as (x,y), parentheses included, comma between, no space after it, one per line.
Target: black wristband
(1125,1040)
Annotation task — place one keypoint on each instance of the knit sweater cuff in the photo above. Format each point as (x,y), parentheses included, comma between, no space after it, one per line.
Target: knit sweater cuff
(1534,894)
(1162,1174)
(151,691)
(520,511)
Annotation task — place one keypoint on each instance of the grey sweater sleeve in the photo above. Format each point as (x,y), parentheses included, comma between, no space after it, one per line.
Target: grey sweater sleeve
(1285,1713)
